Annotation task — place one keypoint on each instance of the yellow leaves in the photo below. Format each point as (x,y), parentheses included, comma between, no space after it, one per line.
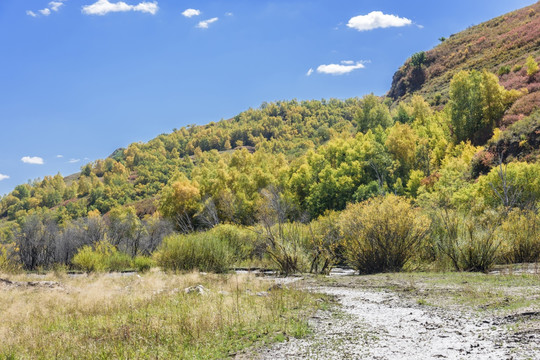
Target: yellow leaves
(401,143)
(94,214)
(532,66)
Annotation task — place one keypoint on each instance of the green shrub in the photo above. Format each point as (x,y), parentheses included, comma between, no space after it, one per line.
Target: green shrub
(417,59)
(382,234)
(520,236)
(469,241)
(287,245)
(103,257)
(201,251)
(143,263)
(503,70)
(517,67)
(242,241)
(88,260)
(7,264)
(118,261)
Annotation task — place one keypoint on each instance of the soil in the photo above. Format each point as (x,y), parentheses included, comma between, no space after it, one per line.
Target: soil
(378,323)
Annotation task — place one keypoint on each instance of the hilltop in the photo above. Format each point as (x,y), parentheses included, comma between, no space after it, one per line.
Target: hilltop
(500,45)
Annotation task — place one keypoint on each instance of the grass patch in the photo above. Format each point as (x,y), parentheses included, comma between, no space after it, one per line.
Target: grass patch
(105,316)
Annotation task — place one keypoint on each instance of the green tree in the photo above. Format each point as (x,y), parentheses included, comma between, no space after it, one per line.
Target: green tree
(532,66)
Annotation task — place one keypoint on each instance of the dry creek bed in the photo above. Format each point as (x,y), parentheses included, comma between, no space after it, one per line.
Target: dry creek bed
(382,324)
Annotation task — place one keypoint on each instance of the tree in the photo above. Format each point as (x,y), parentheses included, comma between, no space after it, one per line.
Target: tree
(532,66)
(477,103)
(180,202)
(372,113)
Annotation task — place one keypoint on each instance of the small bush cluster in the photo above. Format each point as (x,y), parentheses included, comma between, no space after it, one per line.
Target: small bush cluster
(105,257)
(202,251)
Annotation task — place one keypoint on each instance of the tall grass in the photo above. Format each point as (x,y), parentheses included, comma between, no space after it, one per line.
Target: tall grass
(103,317)
(468,240)
(201,251)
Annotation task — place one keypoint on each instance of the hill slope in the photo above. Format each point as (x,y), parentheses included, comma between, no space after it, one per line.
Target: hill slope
(500,45)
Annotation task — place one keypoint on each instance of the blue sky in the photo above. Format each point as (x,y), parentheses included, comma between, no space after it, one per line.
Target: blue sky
(80,78)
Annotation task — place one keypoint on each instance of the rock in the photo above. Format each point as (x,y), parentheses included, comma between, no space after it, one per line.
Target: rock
(262,293)
(275,287)
(199,289)
(224,293)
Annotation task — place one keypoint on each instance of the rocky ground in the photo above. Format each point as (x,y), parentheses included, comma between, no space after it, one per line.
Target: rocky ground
(388,321)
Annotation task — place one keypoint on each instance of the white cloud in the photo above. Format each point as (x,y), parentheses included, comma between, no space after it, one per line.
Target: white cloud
(309,72)
(103,7)
(55,5)
(31,13)
(73,161)
(377,19)
(420,26)
(204,24)
(36,160)
(339,69)
(3,177)
(191,12)
(347,62)
(59,156)
(45,12)
(229,14)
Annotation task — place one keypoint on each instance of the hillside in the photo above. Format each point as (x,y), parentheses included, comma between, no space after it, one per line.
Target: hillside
(500,45)
(452,141)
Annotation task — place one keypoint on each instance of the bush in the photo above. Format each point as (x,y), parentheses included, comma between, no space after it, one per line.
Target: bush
(382,234)
(520,236)
(287,245)
(143,263)
(118,261)
(417,59)
(469,241)
(7,264)
(242,241)
(103,257)
(503,70)
(201,251)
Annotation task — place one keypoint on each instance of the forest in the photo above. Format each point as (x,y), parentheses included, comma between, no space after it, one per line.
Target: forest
(302,186)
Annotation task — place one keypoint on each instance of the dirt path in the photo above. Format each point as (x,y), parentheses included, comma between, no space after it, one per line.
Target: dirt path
(374,324)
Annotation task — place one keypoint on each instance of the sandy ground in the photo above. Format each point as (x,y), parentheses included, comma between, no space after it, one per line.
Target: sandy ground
(379,324)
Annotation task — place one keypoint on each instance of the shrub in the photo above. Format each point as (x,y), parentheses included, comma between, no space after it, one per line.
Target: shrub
(382,234)
(326,243)
(7,265)
(532,66)
(103,257)
(286,246)
(242,241)
(417,59)
(467,240)
(503,70)
(520,236)
(143,263)
(118,261)
(517,67)
(202,251)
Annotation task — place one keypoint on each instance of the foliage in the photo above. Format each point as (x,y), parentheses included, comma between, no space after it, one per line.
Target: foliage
(469,240)
(477,103)
(532,66)
(417,59)
(102,257)
(520,236)
(201,251)
(385,241)
(143,263)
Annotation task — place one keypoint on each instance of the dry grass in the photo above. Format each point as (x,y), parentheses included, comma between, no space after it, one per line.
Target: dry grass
(113,316)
